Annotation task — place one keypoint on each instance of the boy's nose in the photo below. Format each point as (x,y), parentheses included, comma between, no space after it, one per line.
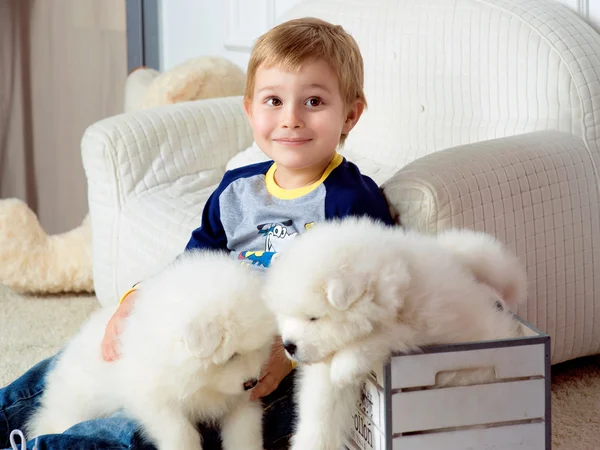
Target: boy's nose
(292,118)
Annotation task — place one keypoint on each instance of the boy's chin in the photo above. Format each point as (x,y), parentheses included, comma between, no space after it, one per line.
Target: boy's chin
(297,159)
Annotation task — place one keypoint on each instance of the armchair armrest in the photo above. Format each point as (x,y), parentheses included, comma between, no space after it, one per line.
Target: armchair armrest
(536,192)
(128,154)
(149,173)
(499,186)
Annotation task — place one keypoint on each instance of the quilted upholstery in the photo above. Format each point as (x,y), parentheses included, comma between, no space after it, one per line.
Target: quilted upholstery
(482,113)
(442,73)
(538,193)
(149,174)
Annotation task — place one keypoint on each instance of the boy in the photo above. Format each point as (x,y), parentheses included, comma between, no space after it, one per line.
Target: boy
(304,94)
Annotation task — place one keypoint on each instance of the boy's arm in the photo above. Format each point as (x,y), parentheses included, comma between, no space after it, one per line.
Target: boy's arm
(366,199)
(210,235)
(110,341)
(373,205)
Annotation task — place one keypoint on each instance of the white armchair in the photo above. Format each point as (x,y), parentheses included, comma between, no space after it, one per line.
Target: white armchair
(482,114)
(149,174)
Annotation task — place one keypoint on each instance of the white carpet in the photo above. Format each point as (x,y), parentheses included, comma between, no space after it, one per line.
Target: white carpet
(33,328)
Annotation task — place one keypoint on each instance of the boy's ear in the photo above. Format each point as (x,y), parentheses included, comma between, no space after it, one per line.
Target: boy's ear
(354,113)
(248,108)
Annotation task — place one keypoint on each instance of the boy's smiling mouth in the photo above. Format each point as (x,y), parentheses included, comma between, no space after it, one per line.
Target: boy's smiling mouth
(292,141)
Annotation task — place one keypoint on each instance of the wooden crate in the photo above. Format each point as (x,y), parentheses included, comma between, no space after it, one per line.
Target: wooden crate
(402,406)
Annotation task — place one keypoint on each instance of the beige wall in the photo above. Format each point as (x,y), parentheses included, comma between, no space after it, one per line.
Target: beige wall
(73,73)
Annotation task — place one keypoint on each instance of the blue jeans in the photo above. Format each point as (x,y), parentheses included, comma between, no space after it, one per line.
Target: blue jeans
(19,399)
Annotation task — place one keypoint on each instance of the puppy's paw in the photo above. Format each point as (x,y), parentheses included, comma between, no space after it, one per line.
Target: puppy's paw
(346,369)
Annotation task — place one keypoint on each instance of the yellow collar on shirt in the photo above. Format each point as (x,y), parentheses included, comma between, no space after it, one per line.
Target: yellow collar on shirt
(290,194)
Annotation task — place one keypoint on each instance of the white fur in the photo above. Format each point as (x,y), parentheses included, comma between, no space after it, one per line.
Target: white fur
(178,366)
(489,261)
(376,290)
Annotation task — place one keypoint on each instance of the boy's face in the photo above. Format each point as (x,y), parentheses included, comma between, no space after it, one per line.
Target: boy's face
(298,117)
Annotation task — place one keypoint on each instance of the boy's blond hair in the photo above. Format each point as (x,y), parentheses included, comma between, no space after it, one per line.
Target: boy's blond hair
(291,43)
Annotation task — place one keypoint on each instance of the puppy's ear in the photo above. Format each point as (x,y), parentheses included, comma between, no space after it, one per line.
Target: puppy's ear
(342,293)
(223,352)
(393,281)
(203,340)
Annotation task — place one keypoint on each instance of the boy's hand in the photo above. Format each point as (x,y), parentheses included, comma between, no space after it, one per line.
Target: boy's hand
(278,367)
(110,341)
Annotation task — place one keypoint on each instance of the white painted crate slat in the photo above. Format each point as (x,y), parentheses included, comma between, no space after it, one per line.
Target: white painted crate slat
(467,405)
(421,370)
(513,437)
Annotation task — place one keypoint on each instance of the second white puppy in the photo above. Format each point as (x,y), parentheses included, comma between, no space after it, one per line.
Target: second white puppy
(347,294)
(192,347)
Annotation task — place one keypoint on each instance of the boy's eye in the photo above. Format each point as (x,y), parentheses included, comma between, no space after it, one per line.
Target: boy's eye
(313,101)
(273,101)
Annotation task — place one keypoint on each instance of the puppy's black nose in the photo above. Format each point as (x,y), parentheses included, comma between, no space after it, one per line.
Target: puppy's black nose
(290,347)
(250,384)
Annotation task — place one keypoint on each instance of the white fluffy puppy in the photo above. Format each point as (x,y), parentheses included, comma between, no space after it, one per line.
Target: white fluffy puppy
(346,294)
(194,343)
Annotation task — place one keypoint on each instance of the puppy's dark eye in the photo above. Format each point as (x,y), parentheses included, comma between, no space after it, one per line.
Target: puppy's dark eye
(235,355)
(313,319)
